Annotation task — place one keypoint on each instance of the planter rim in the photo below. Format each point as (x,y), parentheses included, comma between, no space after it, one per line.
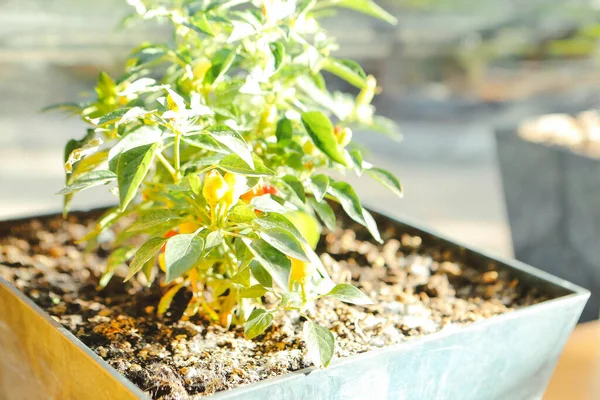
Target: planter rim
(576,294)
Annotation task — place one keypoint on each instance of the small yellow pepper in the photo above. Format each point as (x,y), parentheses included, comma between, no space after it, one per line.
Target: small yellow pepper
(237,185)
(161,262)
(188,227)
(200,69)
(214,188)
(301,271)
(268,119)
(344,136)
(309,148)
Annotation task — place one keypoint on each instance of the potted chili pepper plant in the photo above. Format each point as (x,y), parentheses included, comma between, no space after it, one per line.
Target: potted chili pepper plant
(244,261)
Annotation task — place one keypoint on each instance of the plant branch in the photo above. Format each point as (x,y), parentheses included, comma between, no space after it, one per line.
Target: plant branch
(167,165)
(177,160)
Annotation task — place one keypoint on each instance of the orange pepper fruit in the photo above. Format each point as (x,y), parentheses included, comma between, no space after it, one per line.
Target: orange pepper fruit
(167,235)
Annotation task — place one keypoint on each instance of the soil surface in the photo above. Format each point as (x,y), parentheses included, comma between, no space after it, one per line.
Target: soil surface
(419,288)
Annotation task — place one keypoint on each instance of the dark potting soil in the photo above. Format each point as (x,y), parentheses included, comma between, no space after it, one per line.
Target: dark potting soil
(419,288)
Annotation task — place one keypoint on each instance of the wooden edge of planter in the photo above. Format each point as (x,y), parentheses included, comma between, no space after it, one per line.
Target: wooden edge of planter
(563,292)
(49,360)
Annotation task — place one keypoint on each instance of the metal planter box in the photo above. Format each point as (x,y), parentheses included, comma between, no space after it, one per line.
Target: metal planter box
(552,200)
(511,356)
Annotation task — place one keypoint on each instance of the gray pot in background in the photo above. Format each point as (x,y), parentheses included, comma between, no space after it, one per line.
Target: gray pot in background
(553,204)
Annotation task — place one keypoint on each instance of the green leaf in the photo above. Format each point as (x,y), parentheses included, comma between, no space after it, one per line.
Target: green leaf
(266,203)
(195,183)
(94,178)
(131,114)
(293,183)
(132,167)
(241,30)
(357,160)
(320,344)
(272,220)
(291,300)
(274,261)
(106,88)
(204,141)
(324,211)
(349,294)
(241,213)
(387,179)
(182,253)
(68,107)
(147,270)
(88,164)
(372,225)
(258,321)
(278,54)
(152,219)
(284,130)
(141,137)
(319,81)
(74,144)
(294,160)
(348,70)
(319,184)
(71,145)
(213,239)
(301,225)
(232,140)
(242,277)
(260,274)
(204,162)
(253,292)
(174,101)
(167,299)
(348,199)
(114,260)
(233,163)
(285,242)
(110,118)
(368,7)
(307,225)
(222,61)
(200,24)
(148,53)
(320,130)
(145,253)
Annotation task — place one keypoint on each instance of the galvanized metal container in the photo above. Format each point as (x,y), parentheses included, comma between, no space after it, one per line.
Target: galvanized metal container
(511,356)
(552,199)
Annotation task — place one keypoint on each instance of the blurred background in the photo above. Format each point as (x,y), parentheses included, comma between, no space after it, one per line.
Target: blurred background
(451,70)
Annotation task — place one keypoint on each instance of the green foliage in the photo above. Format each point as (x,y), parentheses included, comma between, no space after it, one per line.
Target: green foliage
(220,147)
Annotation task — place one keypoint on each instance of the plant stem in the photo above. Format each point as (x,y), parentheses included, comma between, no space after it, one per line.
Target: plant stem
(237,235)
(303,293)
(167,165)
(177,160)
